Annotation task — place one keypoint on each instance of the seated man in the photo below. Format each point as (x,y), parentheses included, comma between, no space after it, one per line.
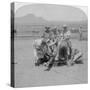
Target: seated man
(67,35)
(52,47)
(64,35)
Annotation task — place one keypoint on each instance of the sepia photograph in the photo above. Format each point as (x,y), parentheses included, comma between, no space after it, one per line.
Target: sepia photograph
(49,44)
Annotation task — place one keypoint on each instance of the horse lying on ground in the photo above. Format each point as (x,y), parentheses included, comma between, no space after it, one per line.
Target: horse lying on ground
(65,54)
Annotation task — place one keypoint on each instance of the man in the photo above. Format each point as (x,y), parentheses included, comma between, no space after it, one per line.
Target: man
(46,34)
(40,45)
(52,47)
(65,35)
(80,32)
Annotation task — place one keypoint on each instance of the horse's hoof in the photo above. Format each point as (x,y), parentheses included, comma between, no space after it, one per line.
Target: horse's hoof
(48,69)
(79,62)
(70,63)
(36,64)
(45,64)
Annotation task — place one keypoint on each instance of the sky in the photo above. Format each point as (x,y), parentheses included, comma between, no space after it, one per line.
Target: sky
(52,12)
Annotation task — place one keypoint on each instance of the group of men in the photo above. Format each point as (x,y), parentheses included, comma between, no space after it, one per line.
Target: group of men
(51,39)
(53,36)
(49,47)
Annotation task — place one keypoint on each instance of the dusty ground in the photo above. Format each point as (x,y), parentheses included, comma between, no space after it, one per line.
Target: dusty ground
(26,74)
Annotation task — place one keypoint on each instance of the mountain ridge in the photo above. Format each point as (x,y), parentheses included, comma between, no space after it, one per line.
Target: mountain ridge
(32,19)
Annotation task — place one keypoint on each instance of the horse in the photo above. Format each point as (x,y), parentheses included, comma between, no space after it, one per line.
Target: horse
(40,52)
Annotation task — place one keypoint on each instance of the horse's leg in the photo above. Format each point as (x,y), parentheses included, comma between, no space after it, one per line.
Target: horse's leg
(50,64)
(69,57)
(38,62)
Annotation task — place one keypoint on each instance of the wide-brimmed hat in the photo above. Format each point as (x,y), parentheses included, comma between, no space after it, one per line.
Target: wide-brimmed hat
(64,26)
(47,29)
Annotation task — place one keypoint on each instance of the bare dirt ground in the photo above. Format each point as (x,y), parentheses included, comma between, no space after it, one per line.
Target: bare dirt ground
(26,74)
